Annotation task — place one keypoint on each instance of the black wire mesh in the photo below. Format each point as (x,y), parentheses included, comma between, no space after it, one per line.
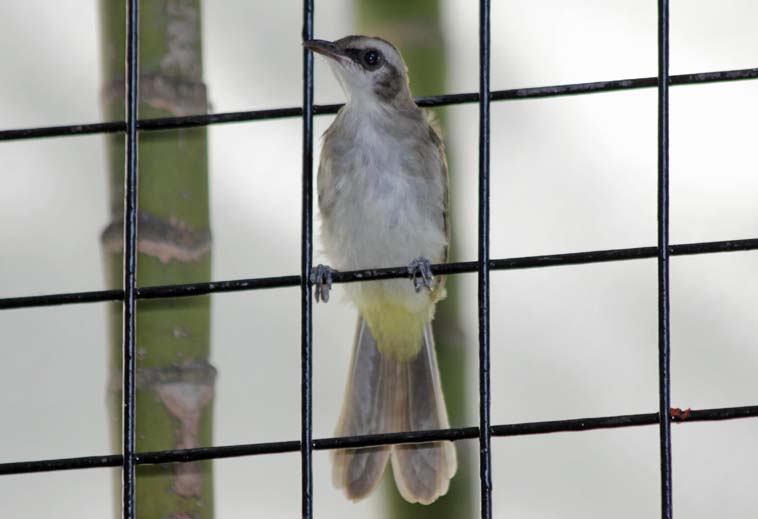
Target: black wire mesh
(128,422)
(483,263)
(664,347)
(131,293)
(306,251)
(188,121)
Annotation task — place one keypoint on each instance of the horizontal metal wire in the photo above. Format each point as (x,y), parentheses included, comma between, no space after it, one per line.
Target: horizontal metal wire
(550,260)
(463,433)
(189,121)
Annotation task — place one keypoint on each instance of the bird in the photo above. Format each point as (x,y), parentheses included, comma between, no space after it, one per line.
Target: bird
(383,198)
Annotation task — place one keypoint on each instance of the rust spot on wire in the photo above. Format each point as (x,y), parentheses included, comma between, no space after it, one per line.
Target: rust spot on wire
(679,415)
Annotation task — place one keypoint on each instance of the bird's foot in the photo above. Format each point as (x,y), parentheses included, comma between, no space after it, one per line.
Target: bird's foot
(420,272)
(321,278)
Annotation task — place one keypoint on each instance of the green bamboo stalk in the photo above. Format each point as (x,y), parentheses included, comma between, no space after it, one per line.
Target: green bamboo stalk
(175,382)
(414,26)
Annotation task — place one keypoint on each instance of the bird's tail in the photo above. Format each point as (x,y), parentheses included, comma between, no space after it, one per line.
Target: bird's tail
(385,394)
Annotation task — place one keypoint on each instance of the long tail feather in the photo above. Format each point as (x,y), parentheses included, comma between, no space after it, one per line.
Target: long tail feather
(423,470)
(358,471)
(383,395)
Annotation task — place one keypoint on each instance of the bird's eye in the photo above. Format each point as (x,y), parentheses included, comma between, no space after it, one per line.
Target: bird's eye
(372,58)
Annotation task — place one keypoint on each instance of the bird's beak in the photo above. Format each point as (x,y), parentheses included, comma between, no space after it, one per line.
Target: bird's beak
(326,48)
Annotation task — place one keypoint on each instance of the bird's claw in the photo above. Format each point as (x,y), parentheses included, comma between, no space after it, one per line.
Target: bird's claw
(420,272)
(321,279)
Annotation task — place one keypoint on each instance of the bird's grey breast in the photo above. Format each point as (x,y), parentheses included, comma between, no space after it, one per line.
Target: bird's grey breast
(381,191)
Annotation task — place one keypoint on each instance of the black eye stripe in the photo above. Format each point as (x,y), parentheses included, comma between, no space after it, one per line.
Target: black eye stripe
(355,54)
(369,59)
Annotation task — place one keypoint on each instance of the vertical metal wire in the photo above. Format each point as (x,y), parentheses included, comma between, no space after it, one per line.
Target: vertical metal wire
(485,456)
(664,358)
(130,260)
(306,395)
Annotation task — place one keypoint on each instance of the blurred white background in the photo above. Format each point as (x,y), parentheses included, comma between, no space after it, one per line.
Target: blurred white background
(569,174)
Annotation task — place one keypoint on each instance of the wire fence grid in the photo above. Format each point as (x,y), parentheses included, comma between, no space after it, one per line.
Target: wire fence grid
(484,432)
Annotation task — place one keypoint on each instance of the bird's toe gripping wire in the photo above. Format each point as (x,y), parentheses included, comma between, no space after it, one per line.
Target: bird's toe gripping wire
(321,279)
(420,273)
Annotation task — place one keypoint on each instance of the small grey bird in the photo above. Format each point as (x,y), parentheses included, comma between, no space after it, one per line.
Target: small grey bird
(383,196)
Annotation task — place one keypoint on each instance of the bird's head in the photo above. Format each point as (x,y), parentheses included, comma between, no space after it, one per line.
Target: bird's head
(368,68)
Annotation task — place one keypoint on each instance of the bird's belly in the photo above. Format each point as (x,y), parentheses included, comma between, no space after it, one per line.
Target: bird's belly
(374,229)
(383,223)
